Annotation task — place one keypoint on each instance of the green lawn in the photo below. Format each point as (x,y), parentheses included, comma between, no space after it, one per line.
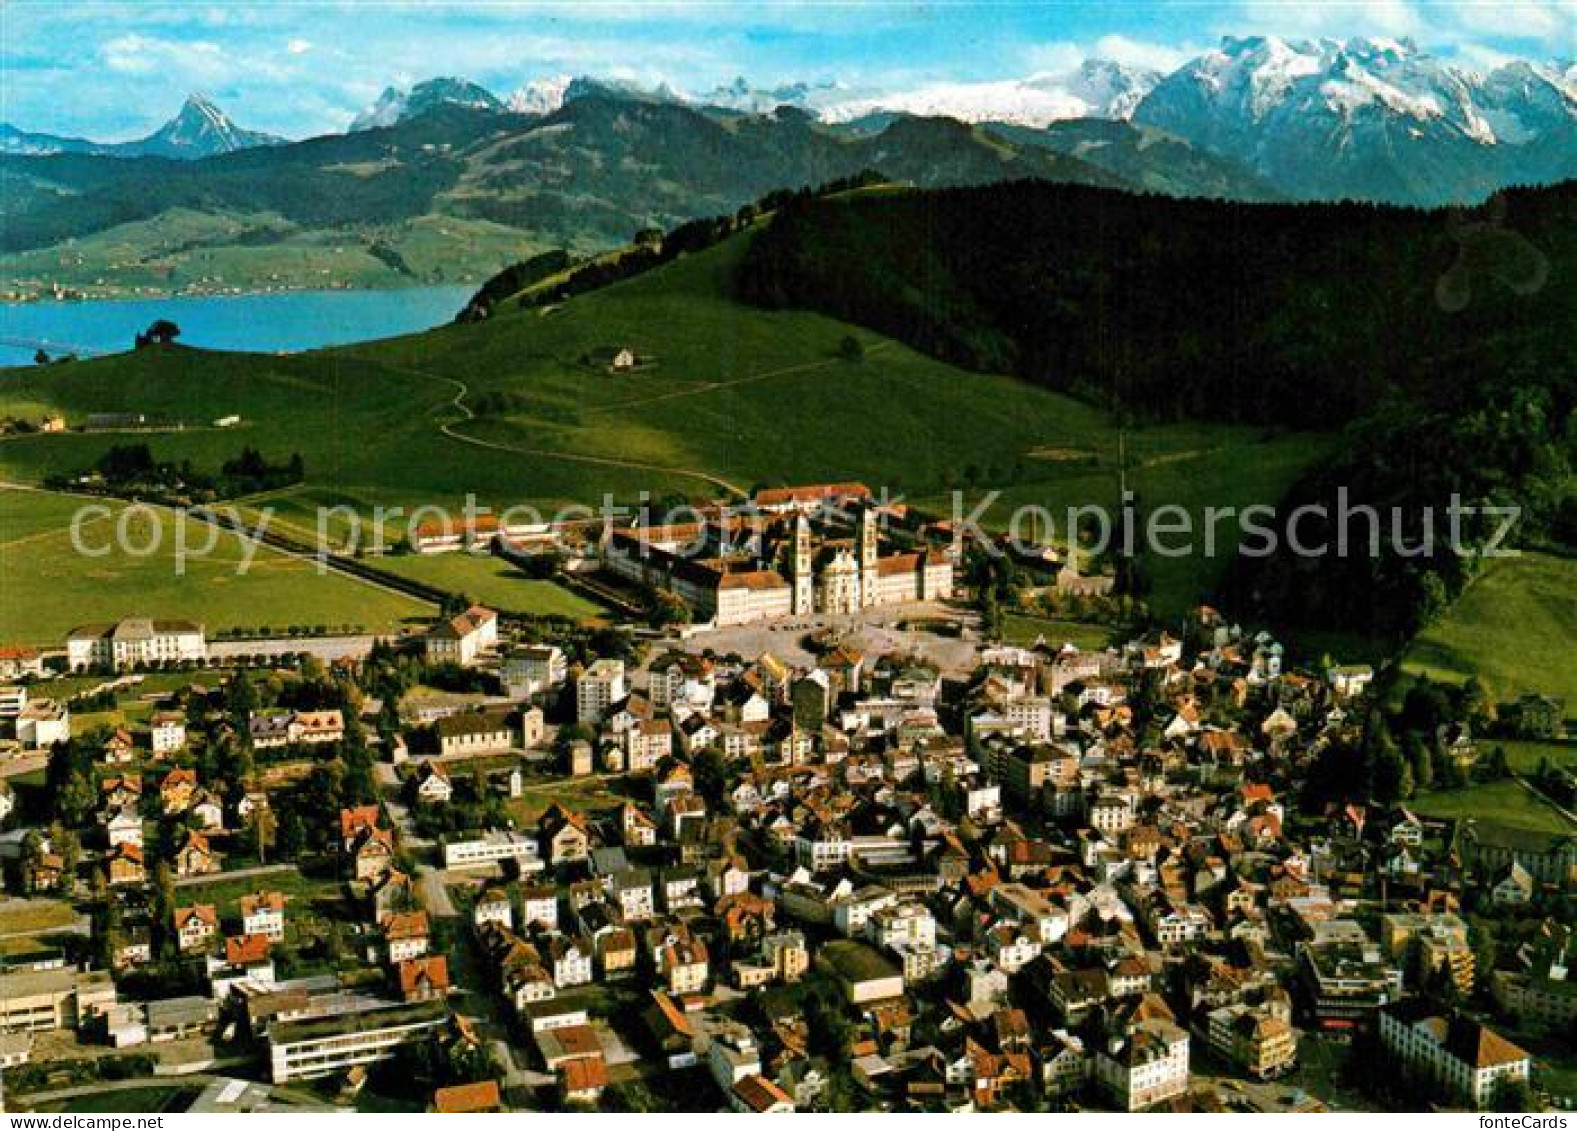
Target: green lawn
(1513,628)
(47,587)
(492,581)
(580,795)
(1505,801)
(225,892)
(1524,757)
(1021,628)
(36,917)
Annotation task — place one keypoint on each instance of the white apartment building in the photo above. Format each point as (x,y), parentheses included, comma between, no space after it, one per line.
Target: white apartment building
(599,687)
(492,848)
(534,669)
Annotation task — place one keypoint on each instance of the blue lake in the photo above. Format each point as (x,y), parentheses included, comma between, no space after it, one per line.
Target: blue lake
(291,320)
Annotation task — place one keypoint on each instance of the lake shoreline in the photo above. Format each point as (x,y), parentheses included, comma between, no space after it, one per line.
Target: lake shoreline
(242,292)
(283,321)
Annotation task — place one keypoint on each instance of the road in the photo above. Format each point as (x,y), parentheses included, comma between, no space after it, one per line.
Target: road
(325,648)
(429,880)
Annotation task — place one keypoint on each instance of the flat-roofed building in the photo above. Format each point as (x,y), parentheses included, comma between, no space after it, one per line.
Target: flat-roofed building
(322,1046)
(493,848)
(60,997)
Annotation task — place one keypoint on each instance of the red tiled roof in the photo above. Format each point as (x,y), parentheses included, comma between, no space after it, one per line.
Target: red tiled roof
(777,496)
(244,950)
(431,970)
(462,1098)
(584,1073)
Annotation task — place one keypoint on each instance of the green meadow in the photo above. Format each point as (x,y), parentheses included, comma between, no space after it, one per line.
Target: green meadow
(47,587)
(492,581)
(1512,628)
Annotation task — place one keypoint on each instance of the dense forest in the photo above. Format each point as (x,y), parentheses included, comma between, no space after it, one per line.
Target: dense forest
(1438,343)
(1282,314)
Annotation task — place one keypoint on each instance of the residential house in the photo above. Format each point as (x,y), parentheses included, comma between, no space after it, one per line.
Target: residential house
(263,913)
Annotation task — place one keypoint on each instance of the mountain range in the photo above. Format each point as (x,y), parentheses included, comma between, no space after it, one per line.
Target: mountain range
(1368,119)
(1371,119)
(199,129)
(447,180)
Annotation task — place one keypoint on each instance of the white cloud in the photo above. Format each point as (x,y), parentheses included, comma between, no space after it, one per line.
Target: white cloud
(1161,57)
(1481,58)
(1054,58)
(146,55)
(1548,20)
(1394,18)
(299,46)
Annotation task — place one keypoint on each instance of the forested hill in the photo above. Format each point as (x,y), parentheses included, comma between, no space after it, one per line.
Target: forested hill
(1291,314)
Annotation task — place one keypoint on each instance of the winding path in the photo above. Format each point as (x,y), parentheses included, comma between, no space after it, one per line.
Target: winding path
(462,390)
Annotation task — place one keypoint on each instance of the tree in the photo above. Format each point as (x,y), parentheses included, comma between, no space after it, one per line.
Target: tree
(1390,773)
(1477,706)
(665,608)
(1494,766)
(160,333)
(240,701)
(69,848)
(1515,1096)
(111,934)
(32,854)
(292,836)
(1423,763)
(1427,707)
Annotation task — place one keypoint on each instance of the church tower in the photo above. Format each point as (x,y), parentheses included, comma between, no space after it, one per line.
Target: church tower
(799,568)
(865,554)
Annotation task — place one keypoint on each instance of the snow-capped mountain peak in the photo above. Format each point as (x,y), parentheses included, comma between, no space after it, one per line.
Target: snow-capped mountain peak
(541,96)
(747,98)
(1370,118)
(1098,88)
(396,105)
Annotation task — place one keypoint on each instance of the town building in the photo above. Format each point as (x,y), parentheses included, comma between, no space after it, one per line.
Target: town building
(1450,1051)
(134,642)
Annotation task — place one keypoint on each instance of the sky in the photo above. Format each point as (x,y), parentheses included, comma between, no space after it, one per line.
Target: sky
(112,71)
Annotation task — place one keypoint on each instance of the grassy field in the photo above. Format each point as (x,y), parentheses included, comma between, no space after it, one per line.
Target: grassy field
(47,588)
(1513,628)
(589,795)
(735,397)
(492,581)
(225,892)
(35,917)
(1524,757)
(1508,802)
(1020,628)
